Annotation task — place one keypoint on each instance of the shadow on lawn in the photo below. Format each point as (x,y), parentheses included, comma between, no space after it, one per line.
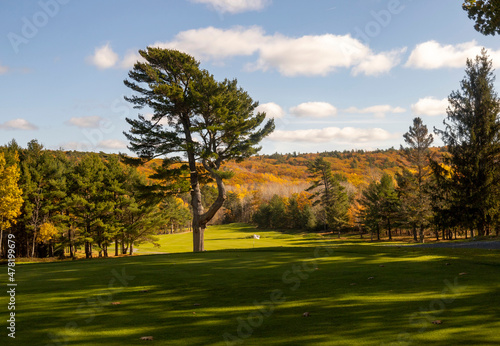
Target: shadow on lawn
(196,299)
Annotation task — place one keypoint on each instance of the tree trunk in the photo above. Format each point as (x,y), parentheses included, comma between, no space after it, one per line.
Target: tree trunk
(415,232)
(389,229)
(34,243)
(71,254)
(378,232)
(421,233)
(198,226)
(124,250)
(116,246)
(131,248)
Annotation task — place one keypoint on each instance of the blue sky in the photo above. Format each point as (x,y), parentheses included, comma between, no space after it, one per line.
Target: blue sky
(335,74)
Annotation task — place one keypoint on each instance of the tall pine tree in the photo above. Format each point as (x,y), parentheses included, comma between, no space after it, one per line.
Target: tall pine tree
(472,135)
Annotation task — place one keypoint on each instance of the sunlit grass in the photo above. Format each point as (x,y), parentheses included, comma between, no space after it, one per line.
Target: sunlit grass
(356,294)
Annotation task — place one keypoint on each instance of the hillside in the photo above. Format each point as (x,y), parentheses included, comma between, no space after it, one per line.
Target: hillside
(357,167)
(285,174)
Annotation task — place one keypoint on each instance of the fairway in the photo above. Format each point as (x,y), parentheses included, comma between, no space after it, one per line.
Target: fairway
(234,294)
(226,237)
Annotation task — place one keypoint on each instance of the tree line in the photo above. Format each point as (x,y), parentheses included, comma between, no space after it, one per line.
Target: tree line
(456,190)
(57,204)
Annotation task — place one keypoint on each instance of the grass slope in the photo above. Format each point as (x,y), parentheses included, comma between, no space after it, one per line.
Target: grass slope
(224,237)
(358,295)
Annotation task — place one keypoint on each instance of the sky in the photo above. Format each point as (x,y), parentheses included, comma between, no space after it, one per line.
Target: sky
(334,74)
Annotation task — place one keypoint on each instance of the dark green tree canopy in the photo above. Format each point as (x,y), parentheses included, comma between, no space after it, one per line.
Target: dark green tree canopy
(472,135)
(486,14)
(213,120)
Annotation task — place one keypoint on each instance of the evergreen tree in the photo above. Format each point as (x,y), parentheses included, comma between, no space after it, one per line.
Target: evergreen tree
(209,122)
(472,135)
(380,205)
(389,202)
(91,203)
(413,187)
(327,192)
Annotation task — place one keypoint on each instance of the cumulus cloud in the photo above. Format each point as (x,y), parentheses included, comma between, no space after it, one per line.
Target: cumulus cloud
(378,64)
(433,55)
(333,134)
(112,144)
(310,55)
(271,109)
(234,6)
(92,122)
(430,106)
(378,111)
(217,44)
(18,124)
(104,57)
(314,110)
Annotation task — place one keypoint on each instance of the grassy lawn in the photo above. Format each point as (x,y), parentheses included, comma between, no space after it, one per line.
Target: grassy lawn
(356,294)
(224,237)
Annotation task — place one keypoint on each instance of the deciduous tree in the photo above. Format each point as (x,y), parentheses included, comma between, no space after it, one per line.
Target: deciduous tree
(10,195)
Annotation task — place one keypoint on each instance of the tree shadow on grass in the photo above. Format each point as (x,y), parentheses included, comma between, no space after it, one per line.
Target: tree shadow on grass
(197,299)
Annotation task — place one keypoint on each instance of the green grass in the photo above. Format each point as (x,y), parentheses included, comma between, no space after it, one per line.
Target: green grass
(234,236)
(69,303)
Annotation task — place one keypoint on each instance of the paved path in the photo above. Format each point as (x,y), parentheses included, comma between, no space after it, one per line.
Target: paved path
(486,245)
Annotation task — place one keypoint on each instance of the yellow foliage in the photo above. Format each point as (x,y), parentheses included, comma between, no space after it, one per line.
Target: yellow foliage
(10,194)
(303,200)
(46,233)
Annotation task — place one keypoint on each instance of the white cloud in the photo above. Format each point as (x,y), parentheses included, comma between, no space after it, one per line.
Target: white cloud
(217,44)
(104,57)
(430,106)
(378,111)
(378,64)
(433,55)
(234,6)
(333,134)
(113,144)
(92,122)
(314,109)
(310,55)
(3,69)
(271,109)
(18,124)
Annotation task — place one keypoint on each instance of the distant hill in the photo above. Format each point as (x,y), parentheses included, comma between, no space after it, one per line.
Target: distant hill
(358,168)
(285,174)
